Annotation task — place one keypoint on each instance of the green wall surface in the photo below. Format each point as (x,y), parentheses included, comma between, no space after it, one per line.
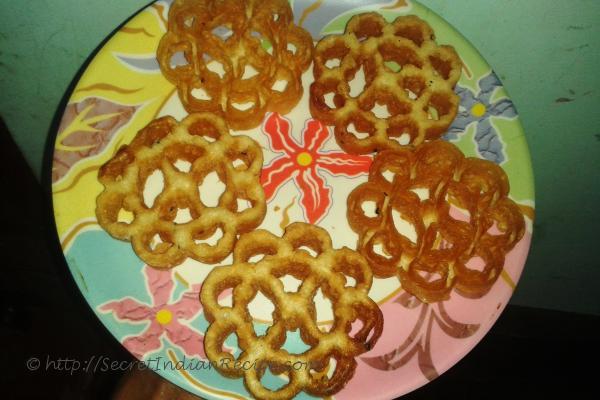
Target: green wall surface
(547,53)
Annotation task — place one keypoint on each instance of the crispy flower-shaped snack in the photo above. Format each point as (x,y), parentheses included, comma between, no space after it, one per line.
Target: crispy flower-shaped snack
(293,310)
(404,70)
(427,182)
(202,141)
(238,59)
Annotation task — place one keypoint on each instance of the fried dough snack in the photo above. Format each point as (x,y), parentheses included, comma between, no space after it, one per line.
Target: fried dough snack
(232,33)
(203,141)
(421,103)
(293,310)
(437,261)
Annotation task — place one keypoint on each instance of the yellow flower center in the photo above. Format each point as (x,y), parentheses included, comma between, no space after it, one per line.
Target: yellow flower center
(304,159)
(478,110)
(163,317)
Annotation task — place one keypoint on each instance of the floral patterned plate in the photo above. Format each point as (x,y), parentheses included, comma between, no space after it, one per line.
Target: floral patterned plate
(156,314)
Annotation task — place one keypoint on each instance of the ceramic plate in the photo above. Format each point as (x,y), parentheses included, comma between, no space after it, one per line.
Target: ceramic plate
(156,315)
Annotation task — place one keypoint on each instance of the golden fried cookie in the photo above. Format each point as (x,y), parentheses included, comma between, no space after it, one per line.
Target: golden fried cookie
(204,143)
(458,208)
(326,270)
(237,59)
(408,94)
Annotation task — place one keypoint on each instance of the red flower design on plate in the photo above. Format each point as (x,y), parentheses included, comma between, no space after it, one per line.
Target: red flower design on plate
(166,316)
(305,162)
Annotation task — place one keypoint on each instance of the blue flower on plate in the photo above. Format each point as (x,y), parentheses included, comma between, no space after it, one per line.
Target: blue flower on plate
(313,17)
(477,108)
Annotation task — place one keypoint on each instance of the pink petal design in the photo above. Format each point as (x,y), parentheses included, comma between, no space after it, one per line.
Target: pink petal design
(316,197)
(277,129)
(128,309)
(160,284)
(345,164)
(315,134)
(187,307)
(85,130)
(406,350)
(225,293)
(425,361)
(190,340)
(419,340)
(276,174)
(146,342)
(451,327)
